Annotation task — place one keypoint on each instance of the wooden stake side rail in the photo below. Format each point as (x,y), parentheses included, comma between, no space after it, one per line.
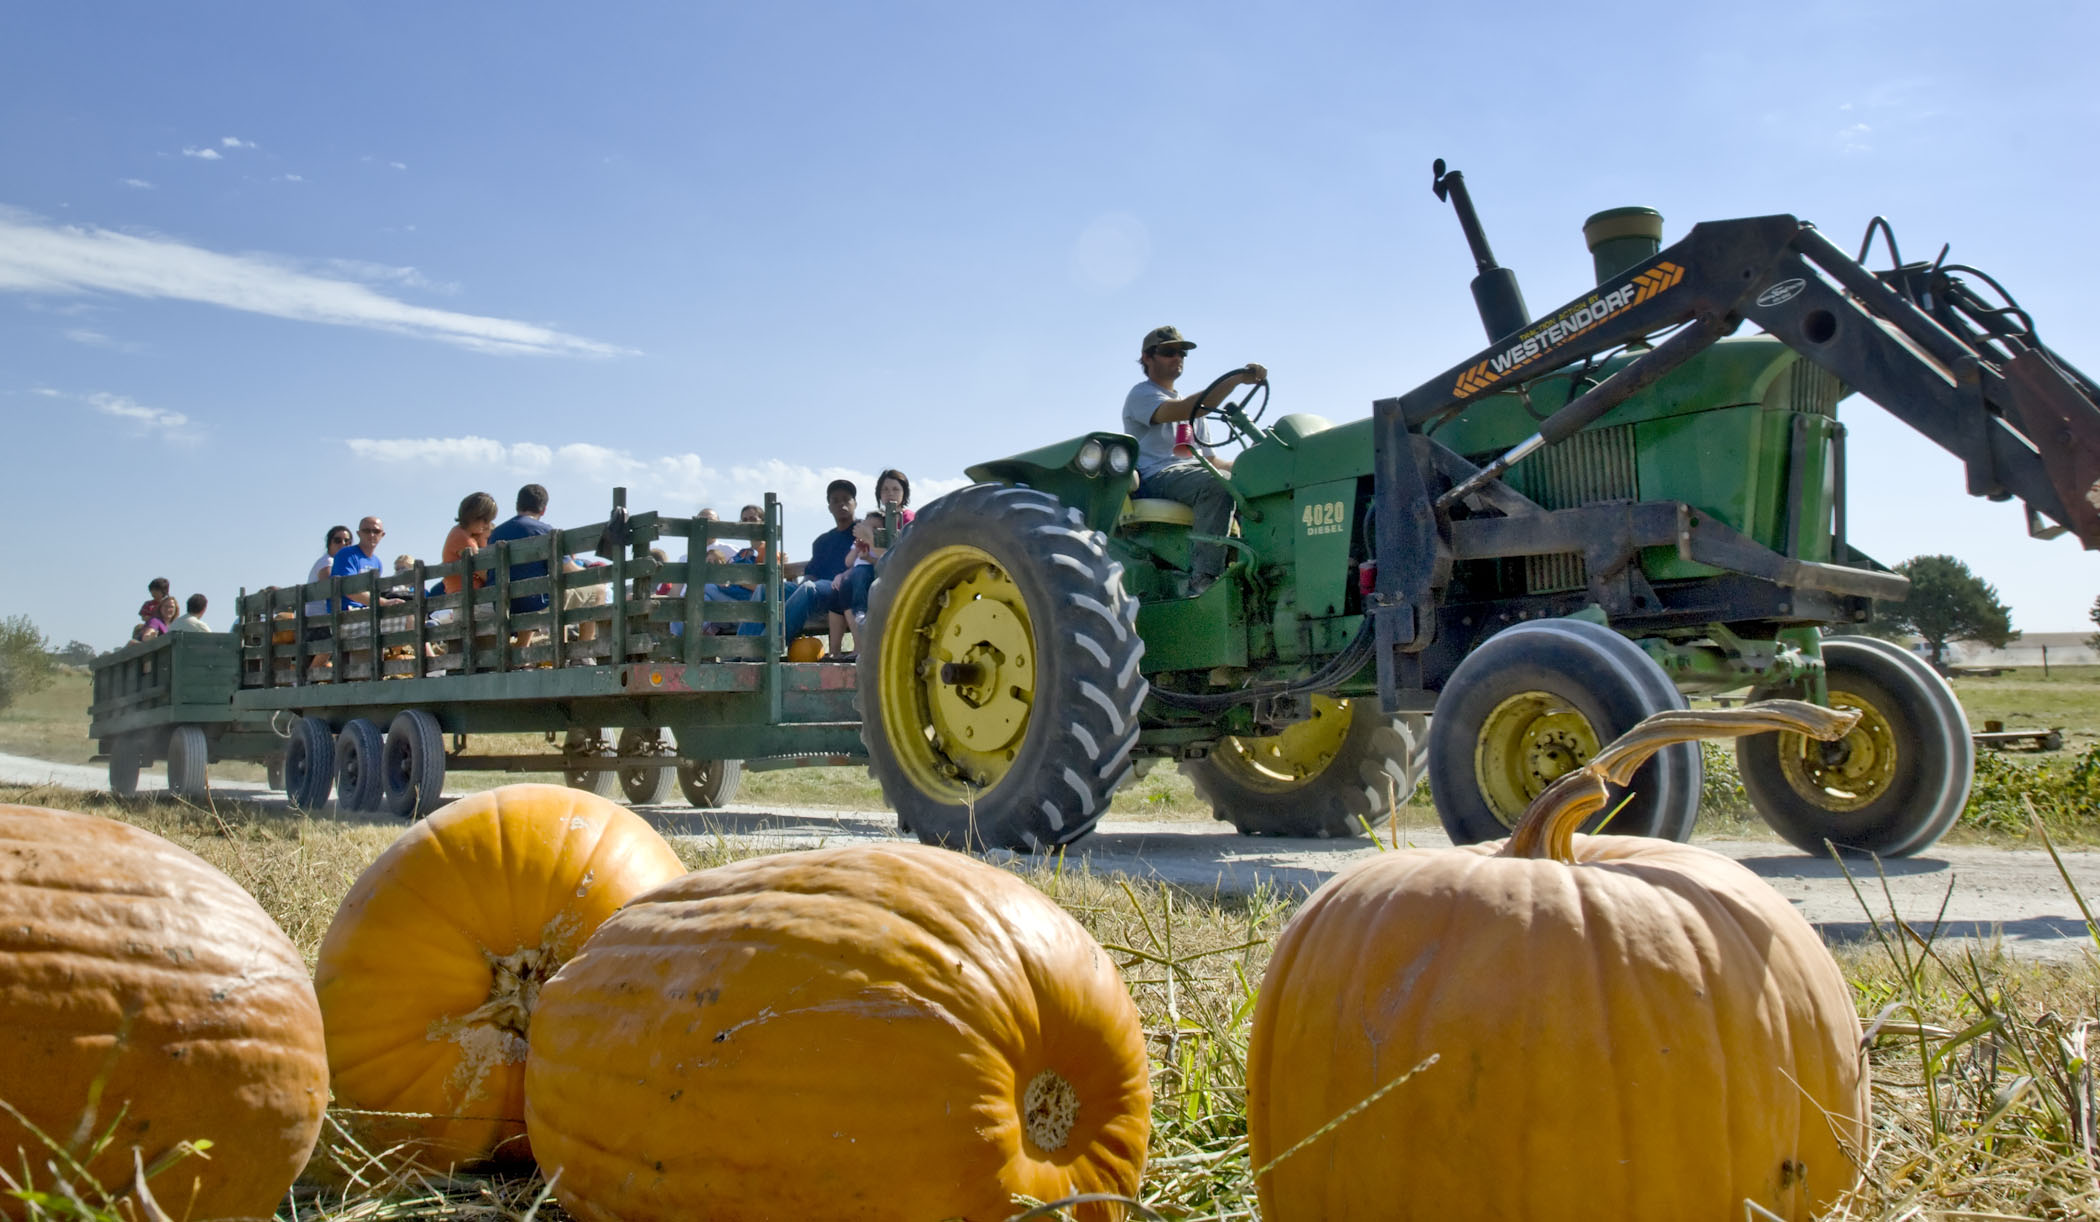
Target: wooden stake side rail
(631,641)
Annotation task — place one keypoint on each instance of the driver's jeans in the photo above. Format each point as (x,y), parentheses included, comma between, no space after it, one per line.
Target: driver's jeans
(1193,485)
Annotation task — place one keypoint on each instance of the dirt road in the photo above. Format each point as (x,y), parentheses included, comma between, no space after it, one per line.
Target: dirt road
(2016,895)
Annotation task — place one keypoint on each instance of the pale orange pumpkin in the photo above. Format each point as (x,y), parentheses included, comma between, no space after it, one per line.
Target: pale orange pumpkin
(1622,1028)
(430,971)
(144,993)
(878,1032)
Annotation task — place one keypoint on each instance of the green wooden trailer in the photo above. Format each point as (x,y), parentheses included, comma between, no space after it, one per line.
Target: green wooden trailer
(633,675)
(171,698)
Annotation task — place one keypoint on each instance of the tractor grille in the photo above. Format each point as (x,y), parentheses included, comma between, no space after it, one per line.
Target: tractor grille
(1593,465)
(1807,387)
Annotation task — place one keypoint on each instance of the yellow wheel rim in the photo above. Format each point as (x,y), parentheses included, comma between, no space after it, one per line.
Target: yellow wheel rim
(1849,773)
(1528,742)
(1283,762)
(957,673)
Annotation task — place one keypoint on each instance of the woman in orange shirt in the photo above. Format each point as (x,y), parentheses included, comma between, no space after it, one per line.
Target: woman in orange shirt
(477,517)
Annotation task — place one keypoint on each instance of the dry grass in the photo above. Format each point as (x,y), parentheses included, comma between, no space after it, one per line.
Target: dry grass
(1984,1097)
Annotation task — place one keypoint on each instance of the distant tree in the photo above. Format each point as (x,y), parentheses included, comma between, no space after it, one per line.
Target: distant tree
(76,653)
(25,662)
(1947,603)
(2093,641)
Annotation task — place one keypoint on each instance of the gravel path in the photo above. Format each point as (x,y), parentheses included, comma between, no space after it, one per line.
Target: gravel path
(2014,894)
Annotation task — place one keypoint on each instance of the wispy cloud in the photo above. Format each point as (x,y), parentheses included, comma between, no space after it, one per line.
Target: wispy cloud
(672,483)
(155,422)
(381,273)
(37,256)
(137,184)
(201,154)
(235,142)
(291,178)
(1855,138)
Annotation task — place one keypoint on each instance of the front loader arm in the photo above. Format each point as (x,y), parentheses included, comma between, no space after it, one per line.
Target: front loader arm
(1975,381)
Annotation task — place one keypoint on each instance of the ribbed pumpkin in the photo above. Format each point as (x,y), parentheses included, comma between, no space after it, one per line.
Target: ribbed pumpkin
(1624,1028)
(430,971)
(877,1032)
(138,980)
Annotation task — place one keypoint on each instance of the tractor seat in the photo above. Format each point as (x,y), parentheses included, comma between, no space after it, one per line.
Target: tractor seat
(1155,511)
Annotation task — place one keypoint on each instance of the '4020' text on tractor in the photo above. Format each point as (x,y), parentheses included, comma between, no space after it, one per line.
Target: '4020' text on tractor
(1616,503)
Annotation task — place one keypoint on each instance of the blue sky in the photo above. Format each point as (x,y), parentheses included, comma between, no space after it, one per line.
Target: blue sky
(264,269)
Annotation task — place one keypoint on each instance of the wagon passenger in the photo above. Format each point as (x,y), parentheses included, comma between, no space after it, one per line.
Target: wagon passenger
(193,618)
(530,524)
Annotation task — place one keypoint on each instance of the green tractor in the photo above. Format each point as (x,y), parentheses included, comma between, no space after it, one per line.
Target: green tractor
(1615,504)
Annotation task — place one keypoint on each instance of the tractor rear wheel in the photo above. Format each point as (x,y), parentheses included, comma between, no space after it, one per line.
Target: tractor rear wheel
(1894,784)
(1000,689)
(1538,700)
(1333,774)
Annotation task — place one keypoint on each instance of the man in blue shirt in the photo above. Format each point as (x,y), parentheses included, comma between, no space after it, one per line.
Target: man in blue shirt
(530,524)
(820,590)
(1150,411)
(359,558)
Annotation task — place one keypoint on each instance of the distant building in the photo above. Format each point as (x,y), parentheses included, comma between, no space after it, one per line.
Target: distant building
(2063,649)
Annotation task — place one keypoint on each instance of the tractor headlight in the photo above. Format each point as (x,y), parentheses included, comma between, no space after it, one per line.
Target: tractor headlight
(1119,460)
(1091,456)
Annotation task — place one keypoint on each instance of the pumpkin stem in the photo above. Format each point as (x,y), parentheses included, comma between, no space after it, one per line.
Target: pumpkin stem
(1548,826)
(1048,1109)
(514,990)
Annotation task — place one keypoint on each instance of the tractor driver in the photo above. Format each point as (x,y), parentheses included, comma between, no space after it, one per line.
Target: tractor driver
(1150,412)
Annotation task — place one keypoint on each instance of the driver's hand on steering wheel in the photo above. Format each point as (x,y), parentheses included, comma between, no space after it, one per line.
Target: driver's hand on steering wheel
(1252,374)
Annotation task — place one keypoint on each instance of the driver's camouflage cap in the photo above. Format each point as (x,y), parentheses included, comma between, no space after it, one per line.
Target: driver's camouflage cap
(1165,337)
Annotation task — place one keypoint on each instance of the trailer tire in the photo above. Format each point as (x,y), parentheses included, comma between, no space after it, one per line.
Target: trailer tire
(579,743)
(1535,701)
(412,765)
(1342,769)
(999,689)
(646,784)
(358,768)
(189,763)
(710,784)
(126,757)
(1890,787)
(309,764)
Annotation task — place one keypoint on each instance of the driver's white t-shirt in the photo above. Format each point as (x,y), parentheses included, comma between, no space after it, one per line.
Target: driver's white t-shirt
(1155,441)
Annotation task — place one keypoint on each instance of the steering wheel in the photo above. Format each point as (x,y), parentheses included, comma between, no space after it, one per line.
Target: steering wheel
(1226,410)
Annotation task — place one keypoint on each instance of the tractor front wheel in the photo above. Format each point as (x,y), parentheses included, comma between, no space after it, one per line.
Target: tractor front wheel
(1894,784)
(1334,774)
(1538,700)
(1000,689)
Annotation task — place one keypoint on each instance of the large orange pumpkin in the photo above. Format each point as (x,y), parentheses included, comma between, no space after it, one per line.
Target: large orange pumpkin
(877,1032)
(430,971)
(143,993)
(1623,1028)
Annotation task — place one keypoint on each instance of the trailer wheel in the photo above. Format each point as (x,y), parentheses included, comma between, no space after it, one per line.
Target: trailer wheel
(646,784)
(126,756)
(412,765)
(1538,700)
(585,744)
(358,767)
(710,784)
(309,764)
(1329,775)
(1000,692)
(189,763)
(1891,787)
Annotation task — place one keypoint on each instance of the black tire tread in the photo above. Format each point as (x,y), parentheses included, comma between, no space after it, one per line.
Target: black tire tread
(189,763)
(1076,751)
(359,772)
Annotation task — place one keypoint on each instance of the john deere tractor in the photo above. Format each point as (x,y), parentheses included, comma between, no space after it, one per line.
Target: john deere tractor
(1616,503)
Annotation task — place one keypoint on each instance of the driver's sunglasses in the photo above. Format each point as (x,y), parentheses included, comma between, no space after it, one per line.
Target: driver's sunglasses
(1170,352)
